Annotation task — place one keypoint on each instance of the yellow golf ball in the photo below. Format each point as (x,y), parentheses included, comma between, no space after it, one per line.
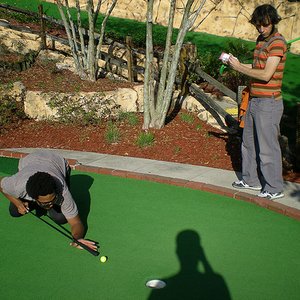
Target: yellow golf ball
(103,259)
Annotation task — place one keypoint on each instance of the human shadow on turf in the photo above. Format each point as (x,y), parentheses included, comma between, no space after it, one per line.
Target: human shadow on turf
(189,282)
(80,185)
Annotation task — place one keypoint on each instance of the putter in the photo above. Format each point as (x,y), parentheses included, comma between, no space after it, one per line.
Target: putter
(93,252)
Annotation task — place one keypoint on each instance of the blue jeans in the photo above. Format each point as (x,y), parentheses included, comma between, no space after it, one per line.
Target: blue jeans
(261,151)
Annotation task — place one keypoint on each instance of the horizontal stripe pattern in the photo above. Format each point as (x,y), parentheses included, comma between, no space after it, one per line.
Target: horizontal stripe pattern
(272,88)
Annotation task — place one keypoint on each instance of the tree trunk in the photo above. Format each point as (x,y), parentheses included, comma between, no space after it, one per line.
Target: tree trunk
(91,54)
(85,57)
(156,105)
(148,76)
(71,38)
(109,10)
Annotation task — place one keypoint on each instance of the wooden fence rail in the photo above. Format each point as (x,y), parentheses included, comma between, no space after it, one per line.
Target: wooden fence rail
(221,87)
(131,52)
(231,124)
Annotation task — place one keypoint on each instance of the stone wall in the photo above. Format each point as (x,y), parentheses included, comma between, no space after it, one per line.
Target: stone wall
(229,18)
(36,103)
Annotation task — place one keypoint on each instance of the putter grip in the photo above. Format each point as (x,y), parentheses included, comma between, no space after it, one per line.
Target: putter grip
(94,252)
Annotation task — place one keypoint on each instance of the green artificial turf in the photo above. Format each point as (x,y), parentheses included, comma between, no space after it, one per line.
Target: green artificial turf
(251,252)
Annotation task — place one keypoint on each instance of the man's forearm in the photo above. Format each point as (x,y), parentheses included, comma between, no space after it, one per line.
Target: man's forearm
(77,228)
(21,206)
(77,231)
(17,202)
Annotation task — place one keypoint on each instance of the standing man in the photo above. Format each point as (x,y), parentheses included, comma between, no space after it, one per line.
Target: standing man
(261,151)
(42,183)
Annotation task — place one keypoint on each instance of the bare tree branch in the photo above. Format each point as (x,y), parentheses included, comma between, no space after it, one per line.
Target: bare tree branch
(85,57)
(103,25)
(72,42)
(83,52)
(156,117)
(204,18)
(164,70)
(148,75)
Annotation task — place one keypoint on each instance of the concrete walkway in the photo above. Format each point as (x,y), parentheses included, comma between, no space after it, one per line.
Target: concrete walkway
(197,177)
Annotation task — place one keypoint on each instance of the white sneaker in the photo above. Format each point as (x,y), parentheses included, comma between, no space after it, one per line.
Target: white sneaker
(270,196)
(263,194)
(241,184)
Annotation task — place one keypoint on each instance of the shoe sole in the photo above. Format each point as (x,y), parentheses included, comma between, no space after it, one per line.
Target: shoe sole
(254,188)
(274,198)
(247,188)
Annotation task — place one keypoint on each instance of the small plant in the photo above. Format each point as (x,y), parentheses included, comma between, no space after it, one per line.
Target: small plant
(130,117)
(77,88)
(188,118)
(58,80)
(177,150)
(145,139)
(9,85)
(198,127)
(42,85)
(112,133)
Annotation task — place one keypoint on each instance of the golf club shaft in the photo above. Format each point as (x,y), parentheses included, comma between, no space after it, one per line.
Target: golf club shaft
(93,252)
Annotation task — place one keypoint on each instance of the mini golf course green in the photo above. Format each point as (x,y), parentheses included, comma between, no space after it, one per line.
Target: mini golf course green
(204,246)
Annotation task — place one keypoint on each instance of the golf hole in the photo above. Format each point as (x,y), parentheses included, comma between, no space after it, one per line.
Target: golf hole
(155,284)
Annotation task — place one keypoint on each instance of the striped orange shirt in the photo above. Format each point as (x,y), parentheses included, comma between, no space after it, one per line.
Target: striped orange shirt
(272,88)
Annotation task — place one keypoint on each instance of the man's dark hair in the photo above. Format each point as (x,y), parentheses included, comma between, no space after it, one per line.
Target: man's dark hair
(264,15)
(40,184)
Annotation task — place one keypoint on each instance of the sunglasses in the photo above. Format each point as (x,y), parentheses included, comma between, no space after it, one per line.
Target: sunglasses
(57,200)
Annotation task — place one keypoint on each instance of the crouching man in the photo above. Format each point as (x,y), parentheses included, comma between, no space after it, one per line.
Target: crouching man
(42,184)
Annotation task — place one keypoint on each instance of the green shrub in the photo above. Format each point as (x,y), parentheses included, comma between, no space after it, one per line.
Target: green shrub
(130,117)
(240,49)
(112,133)
(22,18)
(177,150)
(231,78)
(187,118)
(210,63)
(198,127)
(145,139)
